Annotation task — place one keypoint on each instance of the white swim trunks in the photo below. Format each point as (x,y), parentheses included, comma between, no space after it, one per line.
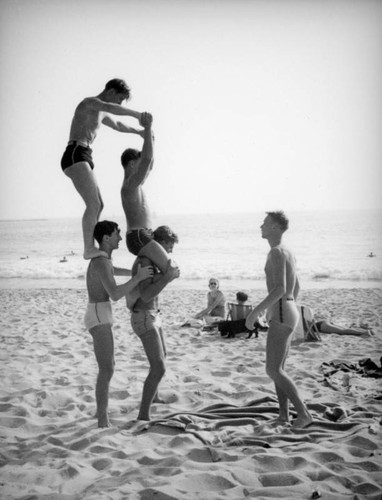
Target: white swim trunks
(98,313)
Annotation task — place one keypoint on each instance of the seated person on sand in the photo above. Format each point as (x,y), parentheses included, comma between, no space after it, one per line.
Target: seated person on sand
(101,287)
(241,298)
(215,309)
(137,166)
(326,327)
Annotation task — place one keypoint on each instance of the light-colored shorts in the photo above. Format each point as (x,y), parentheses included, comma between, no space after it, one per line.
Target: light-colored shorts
(143,322)
(98,313)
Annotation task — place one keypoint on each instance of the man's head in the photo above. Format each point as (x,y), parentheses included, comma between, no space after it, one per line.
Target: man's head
(107,233)
(241,297)
(165,237)
(117,91)
(129,159)
(274,223)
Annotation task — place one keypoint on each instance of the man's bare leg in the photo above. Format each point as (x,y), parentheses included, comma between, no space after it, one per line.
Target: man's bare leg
(157,254)
(277,346)
(152,344)
(283,417)
(85,183)
(104,351)
(157,399)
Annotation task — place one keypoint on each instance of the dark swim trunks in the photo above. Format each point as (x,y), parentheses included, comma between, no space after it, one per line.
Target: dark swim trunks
(136,239)
(76,152)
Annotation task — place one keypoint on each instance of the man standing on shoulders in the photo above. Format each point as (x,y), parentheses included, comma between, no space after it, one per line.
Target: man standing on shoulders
(101,287)
(282,314)
(77,162)
(137,166)
(146,321)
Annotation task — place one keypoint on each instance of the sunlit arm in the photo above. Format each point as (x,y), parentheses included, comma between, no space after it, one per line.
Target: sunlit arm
(278,289)
(110,107)
(119,126)
(104,268)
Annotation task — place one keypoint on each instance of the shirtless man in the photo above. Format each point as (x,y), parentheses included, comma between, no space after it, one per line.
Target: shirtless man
(146,321)
(137,166)
(77,162)
(282,314)
(101,287)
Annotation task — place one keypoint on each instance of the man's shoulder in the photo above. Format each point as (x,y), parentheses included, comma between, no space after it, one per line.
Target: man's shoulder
(100,262)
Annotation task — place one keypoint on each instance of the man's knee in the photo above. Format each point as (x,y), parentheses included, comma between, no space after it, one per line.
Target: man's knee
(271,371)
(107,369)
(159,367)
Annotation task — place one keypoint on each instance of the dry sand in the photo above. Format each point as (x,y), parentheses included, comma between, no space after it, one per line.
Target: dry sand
(52,448)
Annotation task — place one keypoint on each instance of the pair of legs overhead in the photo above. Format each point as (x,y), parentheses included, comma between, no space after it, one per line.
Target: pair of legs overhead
(283,321)
(147,325)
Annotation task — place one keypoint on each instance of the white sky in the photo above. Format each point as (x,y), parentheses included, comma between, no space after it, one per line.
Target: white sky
(257,104)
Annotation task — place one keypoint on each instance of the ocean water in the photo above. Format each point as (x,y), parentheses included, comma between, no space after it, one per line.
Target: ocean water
(331,248)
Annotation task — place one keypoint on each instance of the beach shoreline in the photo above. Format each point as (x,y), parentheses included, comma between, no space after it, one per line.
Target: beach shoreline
(53,449)
(187,284)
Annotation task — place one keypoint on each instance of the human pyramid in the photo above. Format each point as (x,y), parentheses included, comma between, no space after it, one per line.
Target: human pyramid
(153,269)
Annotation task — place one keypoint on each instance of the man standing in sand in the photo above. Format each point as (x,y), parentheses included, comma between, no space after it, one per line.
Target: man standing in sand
(146,321)
(282,314)
(137,166)
(77,162)
(101,287)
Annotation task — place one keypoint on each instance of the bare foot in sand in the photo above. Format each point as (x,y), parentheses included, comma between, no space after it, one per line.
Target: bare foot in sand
(279,421)
(302,421)
(93,253)
(157,399)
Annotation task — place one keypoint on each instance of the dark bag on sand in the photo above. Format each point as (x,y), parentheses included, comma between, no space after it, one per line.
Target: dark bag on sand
(231,328)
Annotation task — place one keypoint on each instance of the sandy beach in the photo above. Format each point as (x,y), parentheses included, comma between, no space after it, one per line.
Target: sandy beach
(213,438)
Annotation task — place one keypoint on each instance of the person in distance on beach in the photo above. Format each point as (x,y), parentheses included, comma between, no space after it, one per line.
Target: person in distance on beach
(137,166)
(282,314)
(215,303)
(98,319)
(146,320)
(77,162)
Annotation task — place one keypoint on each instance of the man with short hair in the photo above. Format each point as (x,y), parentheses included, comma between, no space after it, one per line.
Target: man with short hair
(101,287)
(77,162)
(282,313)
(137,166)
(146,321)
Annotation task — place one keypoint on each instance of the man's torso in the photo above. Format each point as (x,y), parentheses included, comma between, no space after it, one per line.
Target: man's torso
(86,122)
(96,290)
(135,206)
(140,305)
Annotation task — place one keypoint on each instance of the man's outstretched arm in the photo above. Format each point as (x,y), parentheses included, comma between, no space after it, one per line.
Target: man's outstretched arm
(146,160)
(121,127)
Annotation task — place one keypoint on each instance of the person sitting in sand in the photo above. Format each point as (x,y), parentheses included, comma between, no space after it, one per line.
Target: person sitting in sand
(215,309)
(101,286)
(241,298)
(326,327)
(137,166)
(77,162)
(146,320)
(282,313)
